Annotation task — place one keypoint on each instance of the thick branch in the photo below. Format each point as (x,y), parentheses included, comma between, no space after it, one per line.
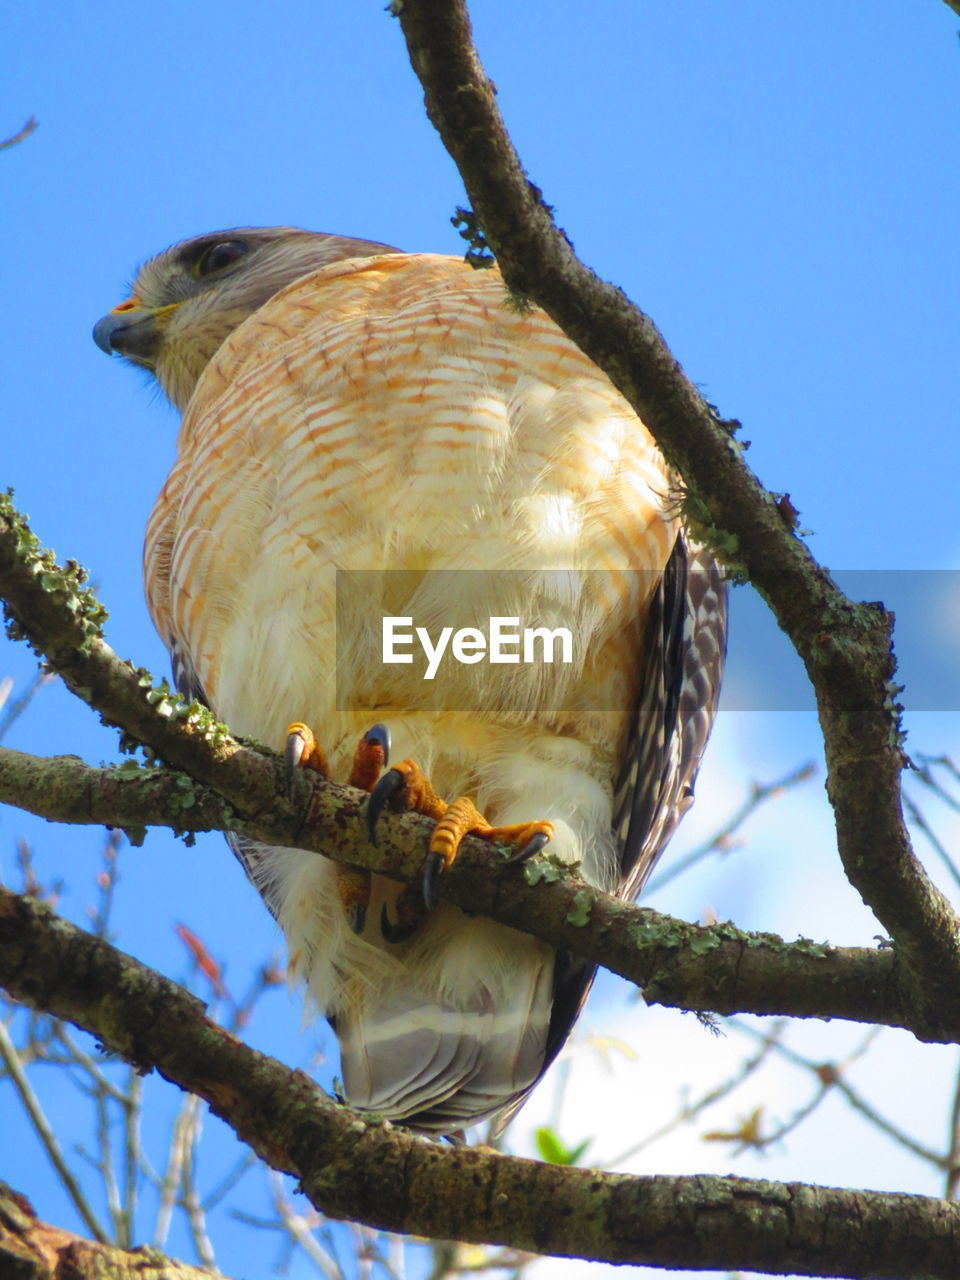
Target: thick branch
(679,965)
(35,1250)
(846,646)
(50,608)
(352,1167)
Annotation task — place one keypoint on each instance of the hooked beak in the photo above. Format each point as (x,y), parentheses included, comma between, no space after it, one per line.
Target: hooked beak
(130,330)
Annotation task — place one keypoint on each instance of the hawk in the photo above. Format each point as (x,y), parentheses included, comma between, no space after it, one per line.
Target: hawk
(368,434)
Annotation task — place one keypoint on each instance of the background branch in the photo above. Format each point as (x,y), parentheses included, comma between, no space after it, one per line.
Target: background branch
(34,1250)
(19,136)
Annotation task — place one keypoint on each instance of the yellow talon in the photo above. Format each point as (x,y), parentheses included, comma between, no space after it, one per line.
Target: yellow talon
(303,751)
(407,785)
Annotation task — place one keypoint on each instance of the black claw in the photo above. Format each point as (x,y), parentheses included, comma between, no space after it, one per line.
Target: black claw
(431,869)
(390,784)
(533,845)
(380,735)
(292,755)
(357,916)
(398,932)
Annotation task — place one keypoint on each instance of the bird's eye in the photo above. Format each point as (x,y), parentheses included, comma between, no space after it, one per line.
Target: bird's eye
(220,255)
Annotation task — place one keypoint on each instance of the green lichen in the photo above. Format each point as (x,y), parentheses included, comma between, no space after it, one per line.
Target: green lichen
(579,913)
(696,516)
(674,934)
(702,943)
(479,254)
(129,769)
(66,584)
(661,933)
(182,794)
(175,708)
(547,870)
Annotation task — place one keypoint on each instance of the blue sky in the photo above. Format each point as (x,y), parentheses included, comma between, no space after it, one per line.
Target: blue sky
(776,185)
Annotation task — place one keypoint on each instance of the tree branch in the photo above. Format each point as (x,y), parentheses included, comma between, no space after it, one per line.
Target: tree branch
(360,1168)
(19,136)
(242,787)
(35,1250)
(845,646)
(676,964)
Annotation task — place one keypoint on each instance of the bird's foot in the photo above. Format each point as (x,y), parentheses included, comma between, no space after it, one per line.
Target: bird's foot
(371,756)
(303,751)
(406,787)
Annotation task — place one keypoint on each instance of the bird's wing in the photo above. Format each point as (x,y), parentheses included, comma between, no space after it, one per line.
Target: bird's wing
(675,709)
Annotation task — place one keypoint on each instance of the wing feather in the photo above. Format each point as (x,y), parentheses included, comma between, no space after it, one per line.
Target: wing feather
(684,656)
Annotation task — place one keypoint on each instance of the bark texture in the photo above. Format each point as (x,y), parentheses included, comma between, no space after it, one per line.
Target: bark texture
(34,1250)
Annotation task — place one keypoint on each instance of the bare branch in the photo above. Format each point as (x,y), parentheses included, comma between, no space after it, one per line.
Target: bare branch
(691,1110)
(953,1144)
(358,1168)
(35,1250)
(19,136)
(721,841)
(676,964)
(44,1131)
(832,1075)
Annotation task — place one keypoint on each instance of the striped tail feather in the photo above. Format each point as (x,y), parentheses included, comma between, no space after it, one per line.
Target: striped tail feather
(442,1068)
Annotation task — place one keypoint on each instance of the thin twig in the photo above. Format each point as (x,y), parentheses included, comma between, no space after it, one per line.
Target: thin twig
(132,1108)
(300,1230)
(19,136)
(19,705)
(170,1183)
(104,1166)
(923,772)
(953,1145)
(229,1181)
(689,1111)
(720,841)
(191,1199)
(853,1097)
(31,1104)
(75,1057)
(920,822)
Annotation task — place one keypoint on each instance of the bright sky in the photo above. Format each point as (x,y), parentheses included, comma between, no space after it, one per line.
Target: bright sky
(775,184)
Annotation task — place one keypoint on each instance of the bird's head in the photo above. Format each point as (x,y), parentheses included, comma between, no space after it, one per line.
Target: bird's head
(186,300)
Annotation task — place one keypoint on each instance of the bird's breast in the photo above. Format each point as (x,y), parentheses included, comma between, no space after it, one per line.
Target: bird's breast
(416,451)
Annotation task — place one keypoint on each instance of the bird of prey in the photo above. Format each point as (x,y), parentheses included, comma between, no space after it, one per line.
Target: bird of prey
(369,435)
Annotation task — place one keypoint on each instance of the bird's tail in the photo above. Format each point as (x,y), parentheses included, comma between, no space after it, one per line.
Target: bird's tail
(460,1036)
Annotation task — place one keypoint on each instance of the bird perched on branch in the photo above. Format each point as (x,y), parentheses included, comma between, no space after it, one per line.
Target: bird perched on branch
(378,442)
